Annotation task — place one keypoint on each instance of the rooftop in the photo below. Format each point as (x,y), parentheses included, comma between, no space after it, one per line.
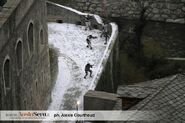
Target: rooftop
(167,98)
(143,89)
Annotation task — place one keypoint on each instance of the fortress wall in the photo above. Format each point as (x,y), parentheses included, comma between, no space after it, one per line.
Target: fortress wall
(30,84)
(157,10)
(65,14)
(165,19)
(109,78)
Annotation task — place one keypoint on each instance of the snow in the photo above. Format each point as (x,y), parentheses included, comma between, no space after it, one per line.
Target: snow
(98,18)
(176,58)
(63,80)
(70,40)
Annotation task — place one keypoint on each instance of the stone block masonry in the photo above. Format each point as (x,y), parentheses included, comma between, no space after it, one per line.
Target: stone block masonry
(157,10)
(24,56)
(98,100)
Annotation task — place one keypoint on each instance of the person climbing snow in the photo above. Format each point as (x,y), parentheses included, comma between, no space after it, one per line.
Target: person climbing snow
(89,38)
(87,22)
(105,33)
(88,67)
(104,29)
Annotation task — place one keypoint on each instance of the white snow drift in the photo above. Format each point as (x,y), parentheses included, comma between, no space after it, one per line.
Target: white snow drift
(70,40)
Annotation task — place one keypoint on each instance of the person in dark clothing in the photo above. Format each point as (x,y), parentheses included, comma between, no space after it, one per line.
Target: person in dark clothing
(88,67)
(89,43)
(105,33)
(104,29)
(89,38)
(88,22)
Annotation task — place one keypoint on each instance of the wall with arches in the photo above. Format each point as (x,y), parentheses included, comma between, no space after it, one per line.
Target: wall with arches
(24,56)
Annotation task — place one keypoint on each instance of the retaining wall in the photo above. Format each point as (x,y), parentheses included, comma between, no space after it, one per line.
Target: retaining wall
(158,10)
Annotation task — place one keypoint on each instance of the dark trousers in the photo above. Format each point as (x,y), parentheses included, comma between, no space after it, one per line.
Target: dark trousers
(86,73)
(89,45)
(106,38)
(105,34)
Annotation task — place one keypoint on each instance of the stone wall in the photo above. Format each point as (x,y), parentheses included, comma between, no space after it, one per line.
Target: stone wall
(170,36)
(24,56)
(64,14)
(56,13)
(97,100)
(158,10)
(2,2)
(109,79)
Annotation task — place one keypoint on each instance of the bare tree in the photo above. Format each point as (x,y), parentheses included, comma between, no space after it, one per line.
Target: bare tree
(143,7)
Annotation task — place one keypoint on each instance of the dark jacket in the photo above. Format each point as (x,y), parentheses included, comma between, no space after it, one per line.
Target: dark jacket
(88,66)
(87,18)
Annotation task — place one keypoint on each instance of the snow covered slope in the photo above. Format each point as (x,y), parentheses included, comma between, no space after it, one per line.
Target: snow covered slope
(70,40)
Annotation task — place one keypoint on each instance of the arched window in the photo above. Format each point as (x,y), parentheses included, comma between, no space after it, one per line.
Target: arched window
(25,105)
(41,36)
(59,21)
(36,85)
(19,55)
(30,37)
(6,74)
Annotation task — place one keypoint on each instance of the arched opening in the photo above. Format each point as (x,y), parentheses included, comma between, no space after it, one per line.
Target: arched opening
(30,37)
(25,105)
(2,2)
(6,71)
(19,55)
(1,94)
(59,21)
(6,74)
(36,85)
(78,23)
(19,63)
(41,36)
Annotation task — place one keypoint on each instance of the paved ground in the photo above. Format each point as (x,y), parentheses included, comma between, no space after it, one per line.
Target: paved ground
(70,40)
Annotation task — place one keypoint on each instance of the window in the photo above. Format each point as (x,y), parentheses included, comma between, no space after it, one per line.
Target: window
(19,55)
(59,21)
(6,74)
(36,85)
(2,2)
(30,37)
(41,36)
(25,105)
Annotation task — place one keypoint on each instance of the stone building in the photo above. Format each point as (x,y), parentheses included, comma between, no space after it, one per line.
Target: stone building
(24,56)
(164,97)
